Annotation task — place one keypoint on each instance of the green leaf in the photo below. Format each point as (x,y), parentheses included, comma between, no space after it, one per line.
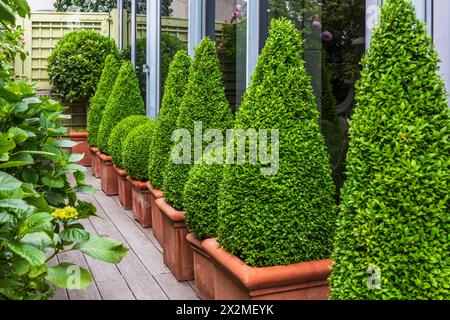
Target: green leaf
(6,13)
(30,253)
(6,143)
(15,204)
(65,143)
(69,276)
(105,249)
(74,235)
(86,189)
(19,135)
(53,182)
(8,182)
(40,221)
(21,266)
(75,157)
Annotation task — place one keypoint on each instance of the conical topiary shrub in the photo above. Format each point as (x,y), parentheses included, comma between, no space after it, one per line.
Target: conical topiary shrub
(125,101)
(392,240)
(119,135)
(136,150)
(204,101)
(289,216)
(101,96)
(166,122)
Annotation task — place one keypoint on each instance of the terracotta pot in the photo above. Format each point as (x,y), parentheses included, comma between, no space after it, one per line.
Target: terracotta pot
(142,211)
(203,269)
(82,147)
(125,188)
(108,175)
(177,252)
(95,162)
(234,280)
(157,219)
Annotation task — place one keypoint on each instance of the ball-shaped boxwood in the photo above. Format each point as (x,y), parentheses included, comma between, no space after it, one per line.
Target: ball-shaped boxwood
(125,100)
(119,135)
(205,102)
(101,96)
(76,63)
(201,194)
(136,151)
(287,216)
(166,122)
(392,240)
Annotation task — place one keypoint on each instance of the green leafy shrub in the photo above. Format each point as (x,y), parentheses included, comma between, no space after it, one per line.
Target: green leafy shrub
(201,194)
(119,135)
(166,122)
(287,217)
(136,150)
(392,240)
(101,96)
(204,101)
(170,45)
(124,101)
(76,63)
(40,212)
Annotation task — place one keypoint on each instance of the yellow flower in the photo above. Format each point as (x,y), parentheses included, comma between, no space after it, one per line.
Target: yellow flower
(66,213)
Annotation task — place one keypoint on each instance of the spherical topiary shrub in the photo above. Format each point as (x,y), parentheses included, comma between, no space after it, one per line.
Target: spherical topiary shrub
(136,150)
(119,135)
(124,101)
(201,194)
(166,122)
(76,63)
(204,101)
(392,240)
(101,96)
(287,216)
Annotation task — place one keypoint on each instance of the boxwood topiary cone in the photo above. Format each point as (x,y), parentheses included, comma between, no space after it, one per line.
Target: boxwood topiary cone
(392,240)
(119,135)
(166,122)
(101,96)
(136,150)
(125,101)
(287,217)
(204,101)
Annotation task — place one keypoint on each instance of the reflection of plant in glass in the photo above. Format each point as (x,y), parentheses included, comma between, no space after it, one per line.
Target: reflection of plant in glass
(107,6)
(170,45)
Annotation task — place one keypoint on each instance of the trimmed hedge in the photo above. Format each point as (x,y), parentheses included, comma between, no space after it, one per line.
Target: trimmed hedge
(288,217)
(101,96)
(119,135)
(201,194)
(393,238)
(76,63)
(136,150)
(166,122)
(125,101)
(204,101)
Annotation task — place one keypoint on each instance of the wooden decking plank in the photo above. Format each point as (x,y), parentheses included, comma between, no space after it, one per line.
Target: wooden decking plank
(174,289)
(139,279)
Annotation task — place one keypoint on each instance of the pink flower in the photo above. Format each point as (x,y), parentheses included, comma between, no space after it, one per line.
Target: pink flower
(317,25)
(326,36)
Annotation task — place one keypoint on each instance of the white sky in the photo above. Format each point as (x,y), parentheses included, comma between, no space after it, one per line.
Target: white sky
(36,5)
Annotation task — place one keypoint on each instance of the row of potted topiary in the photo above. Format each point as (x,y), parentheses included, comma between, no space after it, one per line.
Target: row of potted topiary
(246,235)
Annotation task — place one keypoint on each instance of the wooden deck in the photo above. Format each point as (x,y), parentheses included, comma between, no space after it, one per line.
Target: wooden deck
(141,275)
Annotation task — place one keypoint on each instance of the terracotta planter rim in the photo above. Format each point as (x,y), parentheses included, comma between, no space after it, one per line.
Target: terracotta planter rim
(78,134)
(140,185)
(169,211)
(155,192)
(104,157)
(120,171)
(254,278)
